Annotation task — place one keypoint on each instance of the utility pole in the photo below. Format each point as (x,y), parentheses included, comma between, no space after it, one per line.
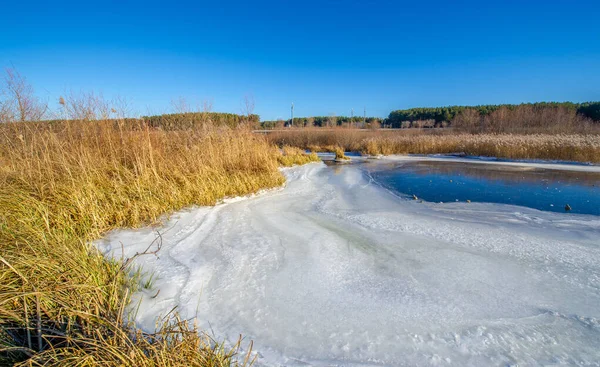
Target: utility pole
(365,117)
(292,121)
(352,117)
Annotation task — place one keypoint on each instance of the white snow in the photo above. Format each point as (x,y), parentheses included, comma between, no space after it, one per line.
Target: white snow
(335,270)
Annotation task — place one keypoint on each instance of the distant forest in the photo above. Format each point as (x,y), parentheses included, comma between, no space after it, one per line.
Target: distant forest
(178,121)
(484,116)
(590,110)
(326,121)
(532,117)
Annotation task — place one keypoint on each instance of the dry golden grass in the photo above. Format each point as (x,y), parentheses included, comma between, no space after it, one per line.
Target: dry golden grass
(64,185)
(339,154)
(291,156)
(574,147)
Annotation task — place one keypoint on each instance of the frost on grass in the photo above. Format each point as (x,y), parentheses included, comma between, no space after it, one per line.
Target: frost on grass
(334,270)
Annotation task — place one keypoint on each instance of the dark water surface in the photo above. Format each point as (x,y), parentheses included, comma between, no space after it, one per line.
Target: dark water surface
(538,188)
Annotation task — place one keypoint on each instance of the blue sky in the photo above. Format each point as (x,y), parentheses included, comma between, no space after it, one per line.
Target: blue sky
(325,56)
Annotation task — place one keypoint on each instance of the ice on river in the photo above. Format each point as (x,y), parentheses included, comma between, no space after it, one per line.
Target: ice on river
(335,270)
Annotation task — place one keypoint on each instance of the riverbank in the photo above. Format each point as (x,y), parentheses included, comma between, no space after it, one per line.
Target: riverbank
(574,147)
(64,185)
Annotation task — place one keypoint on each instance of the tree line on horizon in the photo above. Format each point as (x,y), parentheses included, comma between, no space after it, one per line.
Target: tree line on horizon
(439,115)
(325,121)
(18,103)
(557,116)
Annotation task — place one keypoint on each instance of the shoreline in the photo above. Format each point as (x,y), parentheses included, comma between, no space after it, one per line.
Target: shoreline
(527,163)
(355,258)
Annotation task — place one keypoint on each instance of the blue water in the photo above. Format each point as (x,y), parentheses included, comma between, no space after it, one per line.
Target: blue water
(542,189)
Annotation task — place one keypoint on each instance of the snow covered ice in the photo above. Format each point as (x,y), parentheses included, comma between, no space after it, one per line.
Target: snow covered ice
(335,270)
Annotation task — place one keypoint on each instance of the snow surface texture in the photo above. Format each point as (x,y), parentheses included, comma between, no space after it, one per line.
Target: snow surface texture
(335,270)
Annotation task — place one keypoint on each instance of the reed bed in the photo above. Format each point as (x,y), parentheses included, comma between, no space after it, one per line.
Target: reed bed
(63,185)
(571,147)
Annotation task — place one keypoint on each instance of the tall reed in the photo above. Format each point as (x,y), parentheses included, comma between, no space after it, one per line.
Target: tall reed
(574,147)
(62,185)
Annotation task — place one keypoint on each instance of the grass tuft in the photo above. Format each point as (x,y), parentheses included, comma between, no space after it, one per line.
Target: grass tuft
(291,156)
(339,154)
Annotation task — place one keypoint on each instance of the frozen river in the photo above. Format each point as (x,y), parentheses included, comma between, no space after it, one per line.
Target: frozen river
(336,270)
(533,186)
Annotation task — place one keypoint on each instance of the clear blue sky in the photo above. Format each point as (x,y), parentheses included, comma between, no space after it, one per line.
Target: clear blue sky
(325,56)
